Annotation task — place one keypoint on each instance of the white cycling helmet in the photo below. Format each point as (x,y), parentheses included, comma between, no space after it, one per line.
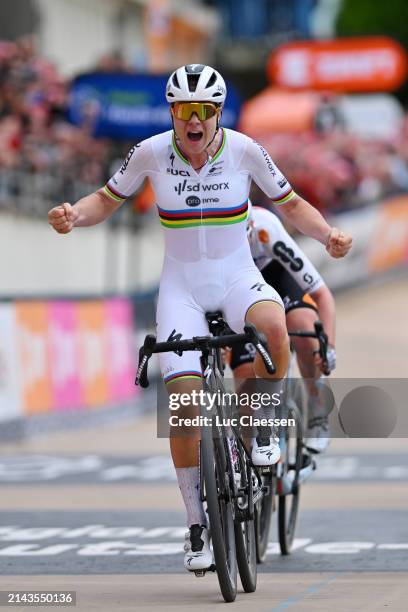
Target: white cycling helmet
(196,83)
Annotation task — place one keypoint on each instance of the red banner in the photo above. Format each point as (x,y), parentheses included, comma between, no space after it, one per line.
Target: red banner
(366,64)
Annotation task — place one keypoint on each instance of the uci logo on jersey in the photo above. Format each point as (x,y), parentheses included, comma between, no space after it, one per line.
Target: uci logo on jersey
(177,172)
(181,187)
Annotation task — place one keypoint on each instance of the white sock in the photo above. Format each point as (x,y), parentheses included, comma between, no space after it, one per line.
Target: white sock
(189,484)
(274,387)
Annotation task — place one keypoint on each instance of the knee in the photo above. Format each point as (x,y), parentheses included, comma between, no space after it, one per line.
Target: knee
(277,335)
(304,347)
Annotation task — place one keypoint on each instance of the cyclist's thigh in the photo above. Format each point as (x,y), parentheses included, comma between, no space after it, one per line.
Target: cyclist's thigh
(179,319)
(246,291)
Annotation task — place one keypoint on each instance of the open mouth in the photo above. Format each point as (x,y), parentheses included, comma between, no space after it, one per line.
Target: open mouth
(194,136)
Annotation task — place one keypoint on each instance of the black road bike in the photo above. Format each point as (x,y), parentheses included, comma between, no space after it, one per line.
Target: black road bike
(230,485)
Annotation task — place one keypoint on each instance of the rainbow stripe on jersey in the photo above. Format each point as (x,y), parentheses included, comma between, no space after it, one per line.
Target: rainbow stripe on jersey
(284,198)
(115,195)
(174,219)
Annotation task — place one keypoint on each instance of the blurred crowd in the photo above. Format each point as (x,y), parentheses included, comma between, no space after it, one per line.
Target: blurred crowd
(44,159)
(338,170)
(39,150)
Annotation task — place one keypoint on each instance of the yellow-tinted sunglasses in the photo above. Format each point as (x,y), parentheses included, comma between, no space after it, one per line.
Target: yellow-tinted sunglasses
(203,110)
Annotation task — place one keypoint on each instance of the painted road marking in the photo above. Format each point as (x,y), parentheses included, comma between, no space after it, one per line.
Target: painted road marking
(97,468)
(27,542)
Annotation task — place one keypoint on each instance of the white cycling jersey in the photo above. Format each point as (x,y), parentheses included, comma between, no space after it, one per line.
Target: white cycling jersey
(269,241)
(208,263)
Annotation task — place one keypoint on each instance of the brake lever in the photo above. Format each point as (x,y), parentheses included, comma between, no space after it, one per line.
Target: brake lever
(259,340)
(323,344)
(145,352)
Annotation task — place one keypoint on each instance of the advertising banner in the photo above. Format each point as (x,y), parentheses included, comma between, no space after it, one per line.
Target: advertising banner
(93,352)
(366,64)
(380,243)
(389,245)
(65,355)
(129,106)
(10,376)
(33,355)
(121,354)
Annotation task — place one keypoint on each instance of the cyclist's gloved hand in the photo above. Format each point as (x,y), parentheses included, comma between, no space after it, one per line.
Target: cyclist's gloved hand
(331,358)
(330,362)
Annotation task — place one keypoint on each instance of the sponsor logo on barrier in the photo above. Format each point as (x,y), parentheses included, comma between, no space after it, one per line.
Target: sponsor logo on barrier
(32,341)
(10,389)
(389,245)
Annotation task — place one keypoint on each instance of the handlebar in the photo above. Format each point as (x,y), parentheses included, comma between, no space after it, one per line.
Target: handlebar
(201,343)
(322,339)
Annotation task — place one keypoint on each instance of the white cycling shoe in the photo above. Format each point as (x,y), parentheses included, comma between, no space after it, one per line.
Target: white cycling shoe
(198,555)
(265,451)
(318,434)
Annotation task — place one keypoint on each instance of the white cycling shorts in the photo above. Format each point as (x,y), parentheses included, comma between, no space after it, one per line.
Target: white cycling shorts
(188,290)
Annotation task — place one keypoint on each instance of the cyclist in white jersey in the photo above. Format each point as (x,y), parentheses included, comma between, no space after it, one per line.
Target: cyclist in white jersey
(201,175)
(306,298)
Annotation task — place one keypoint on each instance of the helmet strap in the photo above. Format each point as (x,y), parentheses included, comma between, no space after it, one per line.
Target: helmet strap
(216,130)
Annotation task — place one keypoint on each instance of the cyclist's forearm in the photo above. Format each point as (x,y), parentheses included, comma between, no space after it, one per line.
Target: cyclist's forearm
(94,208)
(327,311)
(306,219)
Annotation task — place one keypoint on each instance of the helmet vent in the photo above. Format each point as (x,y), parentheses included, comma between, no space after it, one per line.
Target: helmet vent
(192,81)
(176,81)
(212,80)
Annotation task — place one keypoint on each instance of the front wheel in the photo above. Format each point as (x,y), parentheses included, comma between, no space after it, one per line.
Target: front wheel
(288,485)
(220,511)
(245,538)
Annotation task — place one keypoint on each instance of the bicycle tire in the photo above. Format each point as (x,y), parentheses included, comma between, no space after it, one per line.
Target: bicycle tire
(288,504)
(245,538)
(263,518)
(220,512)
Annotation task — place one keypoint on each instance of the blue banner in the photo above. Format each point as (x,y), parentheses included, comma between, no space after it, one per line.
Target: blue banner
(130,106)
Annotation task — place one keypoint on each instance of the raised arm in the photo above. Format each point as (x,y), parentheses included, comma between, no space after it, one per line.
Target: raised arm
(90,210)
(98,206)
(297,211)
(310,222)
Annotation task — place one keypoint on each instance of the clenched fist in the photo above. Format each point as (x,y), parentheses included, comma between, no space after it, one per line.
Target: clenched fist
(62,218)
(338,243)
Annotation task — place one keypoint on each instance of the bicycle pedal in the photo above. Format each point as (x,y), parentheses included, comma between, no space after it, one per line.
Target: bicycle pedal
(201,573)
